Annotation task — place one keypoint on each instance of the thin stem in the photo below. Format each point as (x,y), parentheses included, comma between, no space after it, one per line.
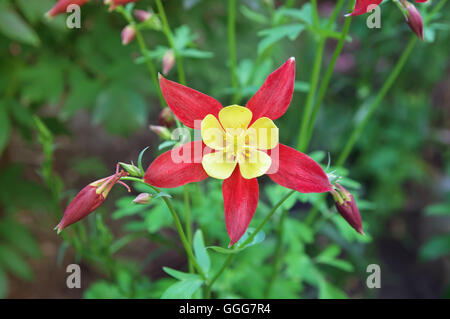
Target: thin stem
(187,246)
(232,48)
(187,221)
(252,236)
(276,255)
(315,12)
(329,72)
(169,36)
(377,101)
(311,94)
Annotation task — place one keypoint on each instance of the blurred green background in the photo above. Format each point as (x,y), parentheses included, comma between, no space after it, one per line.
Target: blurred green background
(74,102)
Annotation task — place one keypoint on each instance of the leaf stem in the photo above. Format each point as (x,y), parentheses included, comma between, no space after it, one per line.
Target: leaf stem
(232,48)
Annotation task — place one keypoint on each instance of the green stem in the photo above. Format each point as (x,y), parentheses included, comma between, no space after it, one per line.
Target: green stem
(377,101)
(251,237)
(187,221)
(232,48)
(315,12)
(276,256)
(169,36)
(311,94)
(187,246)
(329,72)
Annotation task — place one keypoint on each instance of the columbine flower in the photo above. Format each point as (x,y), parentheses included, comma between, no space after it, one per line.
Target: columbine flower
(61,6)
(364,6)
(346,206)
(238,145)
(114,3)
(89,199)
(128,34)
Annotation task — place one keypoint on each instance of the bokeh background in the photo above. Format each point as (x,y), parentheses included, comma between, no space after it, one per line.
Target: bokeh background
(74,102)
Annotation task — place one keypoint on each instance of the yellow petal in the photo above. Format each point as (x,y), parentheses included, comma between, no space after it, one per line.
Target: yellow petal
(212,133)
(255,164)
(218,165)
(263,134)
(235,117)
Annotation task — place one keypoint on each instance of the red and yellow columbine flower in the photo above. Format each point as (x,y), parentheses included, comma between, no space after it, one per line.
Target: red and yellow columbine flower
(238,145)
(364,6)
(61,6)
(89,199)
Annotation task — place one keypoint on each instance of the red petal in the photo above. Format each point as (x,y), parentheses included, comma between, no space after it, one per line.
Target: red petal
(274,96)
(61,6)
(188,104)
(177,167)
(364,6)
(297,171)
(421,1)
(240,198)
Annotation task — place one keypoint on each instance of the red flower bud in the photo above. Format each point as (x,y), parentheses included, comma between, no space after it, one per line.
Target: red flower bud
(142,15)
(414,19)
(61,6)
(346,206)
(161,131)
(89,199)
(114,3)
(166,118)
(143,198)
(128,34)
(168,61)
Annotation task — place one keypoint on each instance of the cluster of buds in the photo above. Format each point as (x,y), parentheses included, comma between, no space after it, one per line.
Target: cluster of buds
(346,206)
(90,198)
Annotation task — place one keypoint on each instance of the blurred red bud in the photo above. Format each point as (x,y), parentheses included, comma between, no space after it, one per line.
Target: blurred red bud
(114,3)
(168,61)
(89,199)
(128,34)
(161,131)
(166,118)
(61,6)
(142,15)
(346,206)
(143,198)
(414,19)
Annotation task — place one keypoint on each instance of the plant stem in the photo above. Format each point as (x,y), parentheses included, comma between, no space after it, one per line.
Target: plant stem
(232,48)
(329,72)
(187,246)
(377,101)
(250,238)
(311,94)
(187,221)
(169,36)
(276,256)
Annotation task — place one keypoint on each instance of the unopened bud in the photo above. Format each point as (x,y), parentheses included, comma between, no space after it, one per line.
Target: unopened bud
(346,206)
(166,117)
(168,61)
(143,198)
(128,34)
(161,131)
(414,19)
(89,199)
(142,15)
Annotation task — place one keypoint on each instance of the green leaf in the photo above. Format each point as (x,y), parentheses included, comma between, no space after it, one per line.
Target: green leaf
(437,247)
(256,240)
(201,254)
(15,28)
(183,289)
(17,235)
(273,35)
(196,54)
(3,284)
(4,127)
(328,291)
(141,154)
(304,14)
(14,263)
(440,209)
(301,86)
(180,275)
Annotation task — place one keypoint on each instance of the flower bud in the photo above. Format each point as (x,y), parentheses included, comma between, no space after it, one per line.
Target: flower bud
(143,198)
(61,6)
(166,117)
(89,199)
(114,3)
(131,169)
(168,61)
(414,19)
(128,34)
(142,15)
(161,131)
(346,206)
